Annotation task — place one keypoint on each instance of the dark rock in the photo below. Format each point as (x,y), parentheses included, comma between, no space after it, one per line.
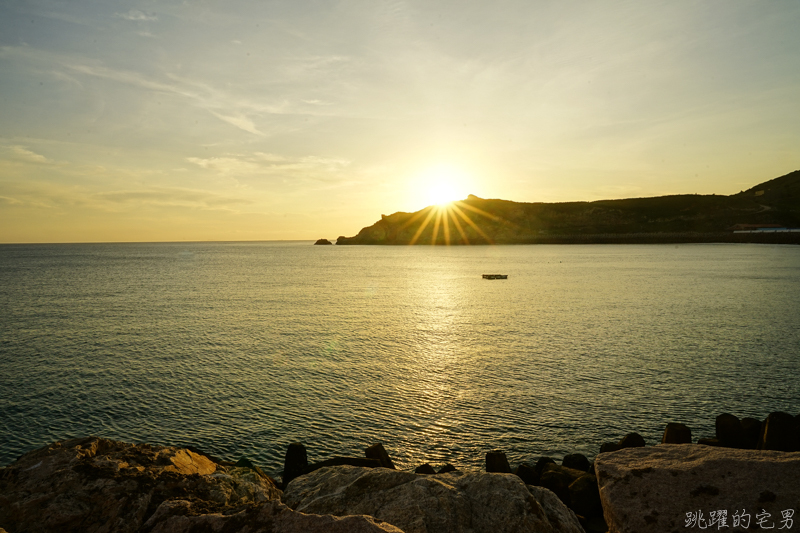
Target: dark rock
(527,473)
(609,447)
(585,496)
(343,461)
(295,462)
(244,462)
(730,432)
(708,442)
(377,451)
(496,462)
(595,524)
(558,478)
(778,433)
(751,431)
(794,440)
(272,516)
(578,461)
(631,440)
(541,464)
(676,433)
(447,468)
(425,469)
(323,241)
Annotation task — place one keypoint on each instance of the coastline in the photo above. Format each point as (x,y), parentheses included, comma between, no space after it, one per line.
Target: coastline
(611,238)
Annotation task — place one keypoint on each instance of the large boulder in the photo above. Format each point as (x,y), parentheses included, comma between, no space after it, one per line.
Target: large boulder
(447,468)
(676,433)
(425,469)
(578,461)
(527,474)
(632,440)
(96,485)
(377,451)
(779,432)
(584,497)
(669,487)
(558,478)
(496,462)
(729,430)
(183,516)
(752,432)
(295,461)
(450,502)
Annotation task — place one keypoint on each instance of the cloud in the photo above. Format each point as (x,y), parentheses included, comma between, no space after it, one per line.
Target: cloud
(23,153)
(173,197)
(226,165)
(262,165)
(136,15)
(199,94)
(5,200)
(240,121)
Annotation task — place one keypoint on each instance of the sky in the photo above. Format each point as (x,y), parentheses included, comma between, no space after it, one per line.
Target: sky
(301,119)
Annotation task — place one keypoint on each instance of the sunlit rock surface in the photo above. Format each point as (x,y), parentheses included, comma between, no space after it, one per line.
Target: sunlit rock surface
(652,489)
(451,502)
(96,485)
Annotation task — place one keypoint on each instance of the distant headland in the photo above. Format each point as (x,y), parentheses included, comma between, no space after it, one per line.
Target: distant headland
(766,213)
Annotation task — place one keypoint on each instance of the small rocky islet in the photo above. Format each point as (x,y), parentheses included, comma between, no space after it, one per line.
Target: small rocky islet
(748,470)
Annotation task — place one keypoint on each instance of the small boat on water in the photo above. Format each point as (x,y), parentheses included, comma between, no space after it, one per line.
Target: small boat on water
(495,276)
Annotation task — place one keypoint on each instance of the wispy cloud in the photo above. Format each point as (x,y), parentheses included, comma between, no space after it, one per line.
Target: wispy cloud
(262,163)
(136,15)
(240,121)
(173,197)
(5,200)
(28,155)
(223,106)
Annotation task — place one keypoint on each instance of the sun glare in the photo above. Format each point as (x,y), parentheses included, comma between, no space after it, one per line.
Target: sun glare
(443,184)
(441,193)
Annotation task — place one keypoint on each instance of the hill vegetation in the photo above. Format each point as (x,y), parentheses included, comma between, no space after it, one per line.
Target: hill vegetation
(677,218)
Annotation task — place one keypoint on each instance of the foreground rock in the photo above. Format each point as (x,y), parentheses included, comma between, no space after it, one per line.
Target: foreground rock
(97,485)
(653,489)
(450,502)
(94,484)
(181,516)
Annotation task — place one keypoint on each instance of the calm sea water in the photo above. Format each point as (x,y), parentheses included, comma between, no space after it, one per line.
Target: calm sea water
(241,348)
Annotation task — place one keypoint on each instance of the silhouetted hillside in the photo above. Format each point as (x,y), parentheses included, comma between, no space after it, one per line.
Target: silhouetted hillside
(678,218)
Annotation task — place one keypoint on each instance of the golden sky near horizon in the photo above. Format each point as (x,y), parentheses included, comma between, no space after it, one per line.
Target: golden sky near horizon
(259,120)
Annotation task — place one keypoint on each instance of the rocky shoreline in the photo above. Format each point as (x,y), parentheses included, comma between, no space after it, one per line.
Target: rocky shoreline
(749,469)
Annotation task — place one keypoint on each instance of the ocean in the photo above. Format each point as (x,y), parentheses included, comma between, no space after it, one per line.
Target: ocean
(240,348)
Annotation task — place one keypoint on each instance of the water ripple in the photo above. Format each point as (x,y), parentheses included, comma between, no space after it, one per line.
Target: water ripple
(242,348)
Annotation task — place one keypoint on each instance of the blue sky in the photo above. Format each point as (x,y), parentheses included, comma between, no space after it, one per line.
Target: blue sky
(242,120)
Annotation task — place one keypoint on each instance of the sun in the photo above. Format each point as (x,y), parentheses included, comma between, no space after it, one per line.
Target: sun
(440,193)
(443,184)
